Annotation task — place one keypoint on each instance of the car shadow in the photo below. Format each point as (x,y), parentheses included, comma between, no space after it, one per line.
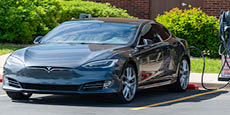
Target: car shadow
(143,97)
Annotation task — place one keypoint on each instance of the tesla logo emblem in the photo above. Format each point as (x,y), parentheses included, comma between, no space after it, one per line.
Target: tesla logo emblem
(49,69)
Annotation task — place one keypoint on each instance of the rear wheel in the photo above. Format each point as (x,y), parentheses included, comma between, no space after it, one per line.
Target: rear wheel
(129,85)
(183,77)
(19,95)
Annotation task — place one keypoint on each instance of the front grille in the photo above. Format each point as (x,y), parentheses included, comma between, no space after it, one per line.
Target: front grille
(54,72)
(13,83)
(93,86)
(50,87)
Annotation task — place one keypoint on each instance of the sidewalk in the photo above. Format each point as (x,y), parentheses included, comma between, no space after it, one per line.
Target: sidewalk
(210,80)
(2,62)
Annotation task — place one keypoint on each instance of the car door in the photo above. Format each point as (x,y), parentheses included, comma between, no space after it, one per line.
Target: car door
(150,57)
(168,50)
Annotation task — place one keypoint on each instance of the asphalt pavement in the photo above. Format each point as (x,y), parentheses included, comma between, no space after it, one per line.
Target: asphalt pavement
(156,101)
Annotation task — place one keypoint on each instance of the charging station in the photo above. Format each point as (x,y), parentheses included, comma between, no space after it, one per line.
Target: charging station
(225,74)
(224,48)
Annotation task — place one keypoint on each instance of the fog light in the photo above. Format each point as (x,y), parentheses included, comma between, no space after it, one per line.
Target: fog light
(107,84)
(5,81)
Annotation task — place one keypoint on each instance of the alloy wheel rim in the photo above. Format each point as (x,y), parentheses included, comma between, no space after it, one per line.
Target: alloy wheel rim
(184,74)
(129,84)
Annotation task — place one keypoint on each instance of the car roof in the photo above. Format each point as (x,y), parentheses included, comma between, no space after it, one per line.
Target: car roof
(113,20)
(122,20)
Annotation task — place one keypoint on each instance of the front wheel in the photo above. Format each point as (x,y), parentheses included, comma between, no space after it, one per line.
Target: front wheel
(19,95)
(183,77)
(129,85)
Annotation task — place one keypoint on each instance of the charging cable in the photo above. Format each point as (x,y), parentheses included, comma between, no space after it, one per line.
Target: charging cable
(224,36)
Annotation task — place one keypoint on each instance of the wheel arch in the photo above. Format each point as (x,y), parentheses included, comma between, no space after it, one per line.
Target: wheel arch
(132,62)
(188,59)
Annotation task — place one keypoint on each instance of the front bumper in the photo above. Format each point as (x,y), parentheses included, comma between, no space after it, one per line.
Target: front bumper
(79,82)
(38,91)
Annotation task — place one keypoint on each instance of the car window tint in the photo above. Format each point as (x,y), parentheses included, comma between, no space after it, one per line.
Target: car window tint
(161,31)
(157,38)
(92,33)
(150,33)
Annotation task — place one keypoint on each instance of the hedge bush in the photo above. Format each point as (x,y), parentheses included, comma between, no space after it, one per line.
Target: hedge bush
(22,20)
(73,8)
(196,27)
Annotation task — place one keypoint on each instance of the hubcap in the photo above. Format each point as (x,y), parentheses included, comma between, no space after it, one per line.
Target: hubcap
(129,83)
(184,74)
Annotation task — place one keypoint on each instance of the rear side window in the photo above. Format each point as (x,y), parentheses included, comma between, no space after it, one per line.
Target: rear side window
(161,31)
(150,34)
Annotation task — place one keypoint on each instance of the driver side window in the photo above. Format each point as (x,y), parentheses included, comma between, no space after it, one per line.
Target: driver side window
(150,34)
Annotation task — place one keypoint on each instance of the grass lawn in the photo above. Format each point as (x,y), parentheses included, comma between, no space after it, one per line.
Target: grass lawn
(7,48)
(211,65)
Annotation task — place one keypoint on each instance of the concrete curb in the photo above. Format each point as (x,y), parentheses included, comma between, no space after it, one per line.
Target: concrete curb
(213,85)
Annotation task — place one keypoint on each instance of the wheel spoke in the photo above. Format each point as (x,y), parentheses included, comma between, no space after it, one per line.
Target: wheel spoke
(132,84)
(187,80)
(130,93)
(128,72)
(184,65)
(184,86)
(182,80)
(132,77)
(126,91)
(124,83)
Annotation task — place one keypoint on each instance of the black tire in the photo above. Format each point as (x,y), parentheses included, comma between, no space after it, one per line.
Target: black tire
(19,95)
(120,97)
(177,86)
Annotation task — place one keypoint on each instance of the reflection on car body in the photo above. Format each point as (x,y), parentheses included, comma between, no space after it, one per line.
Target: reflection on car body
(101,55)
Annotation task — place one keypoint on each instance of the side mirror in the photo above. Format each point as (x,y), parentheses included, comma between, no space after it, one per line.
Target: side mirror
(146,43)
(38,39)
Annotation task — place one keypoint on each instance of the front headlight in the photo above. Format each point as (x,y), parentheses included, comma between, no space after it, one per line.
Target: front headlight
(14,61)
(101,64)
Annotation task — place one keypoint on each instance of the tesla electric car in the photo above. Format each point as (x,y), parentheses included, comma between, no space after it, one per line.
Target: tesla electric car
(114,56)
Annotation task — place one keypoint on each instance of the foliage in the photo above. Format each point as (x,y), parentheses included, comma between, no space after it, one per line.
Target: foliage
(199,29)
(73,8)
(22,20)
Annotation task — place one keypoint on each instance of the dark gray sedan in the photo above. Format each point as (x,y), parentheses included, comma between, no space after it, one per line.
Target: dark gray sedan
(101,55)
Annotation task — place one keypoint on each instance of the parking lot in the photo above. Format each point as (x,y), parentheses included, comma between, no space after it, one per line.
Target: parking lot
(151,101)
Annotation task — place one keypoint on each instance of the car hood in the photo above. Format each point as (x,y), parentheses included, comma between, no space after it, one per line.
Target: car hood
(64,55)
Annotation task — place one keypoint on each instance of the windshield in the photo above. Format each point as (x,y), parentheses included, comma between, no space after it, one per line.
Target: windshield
(97,32)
